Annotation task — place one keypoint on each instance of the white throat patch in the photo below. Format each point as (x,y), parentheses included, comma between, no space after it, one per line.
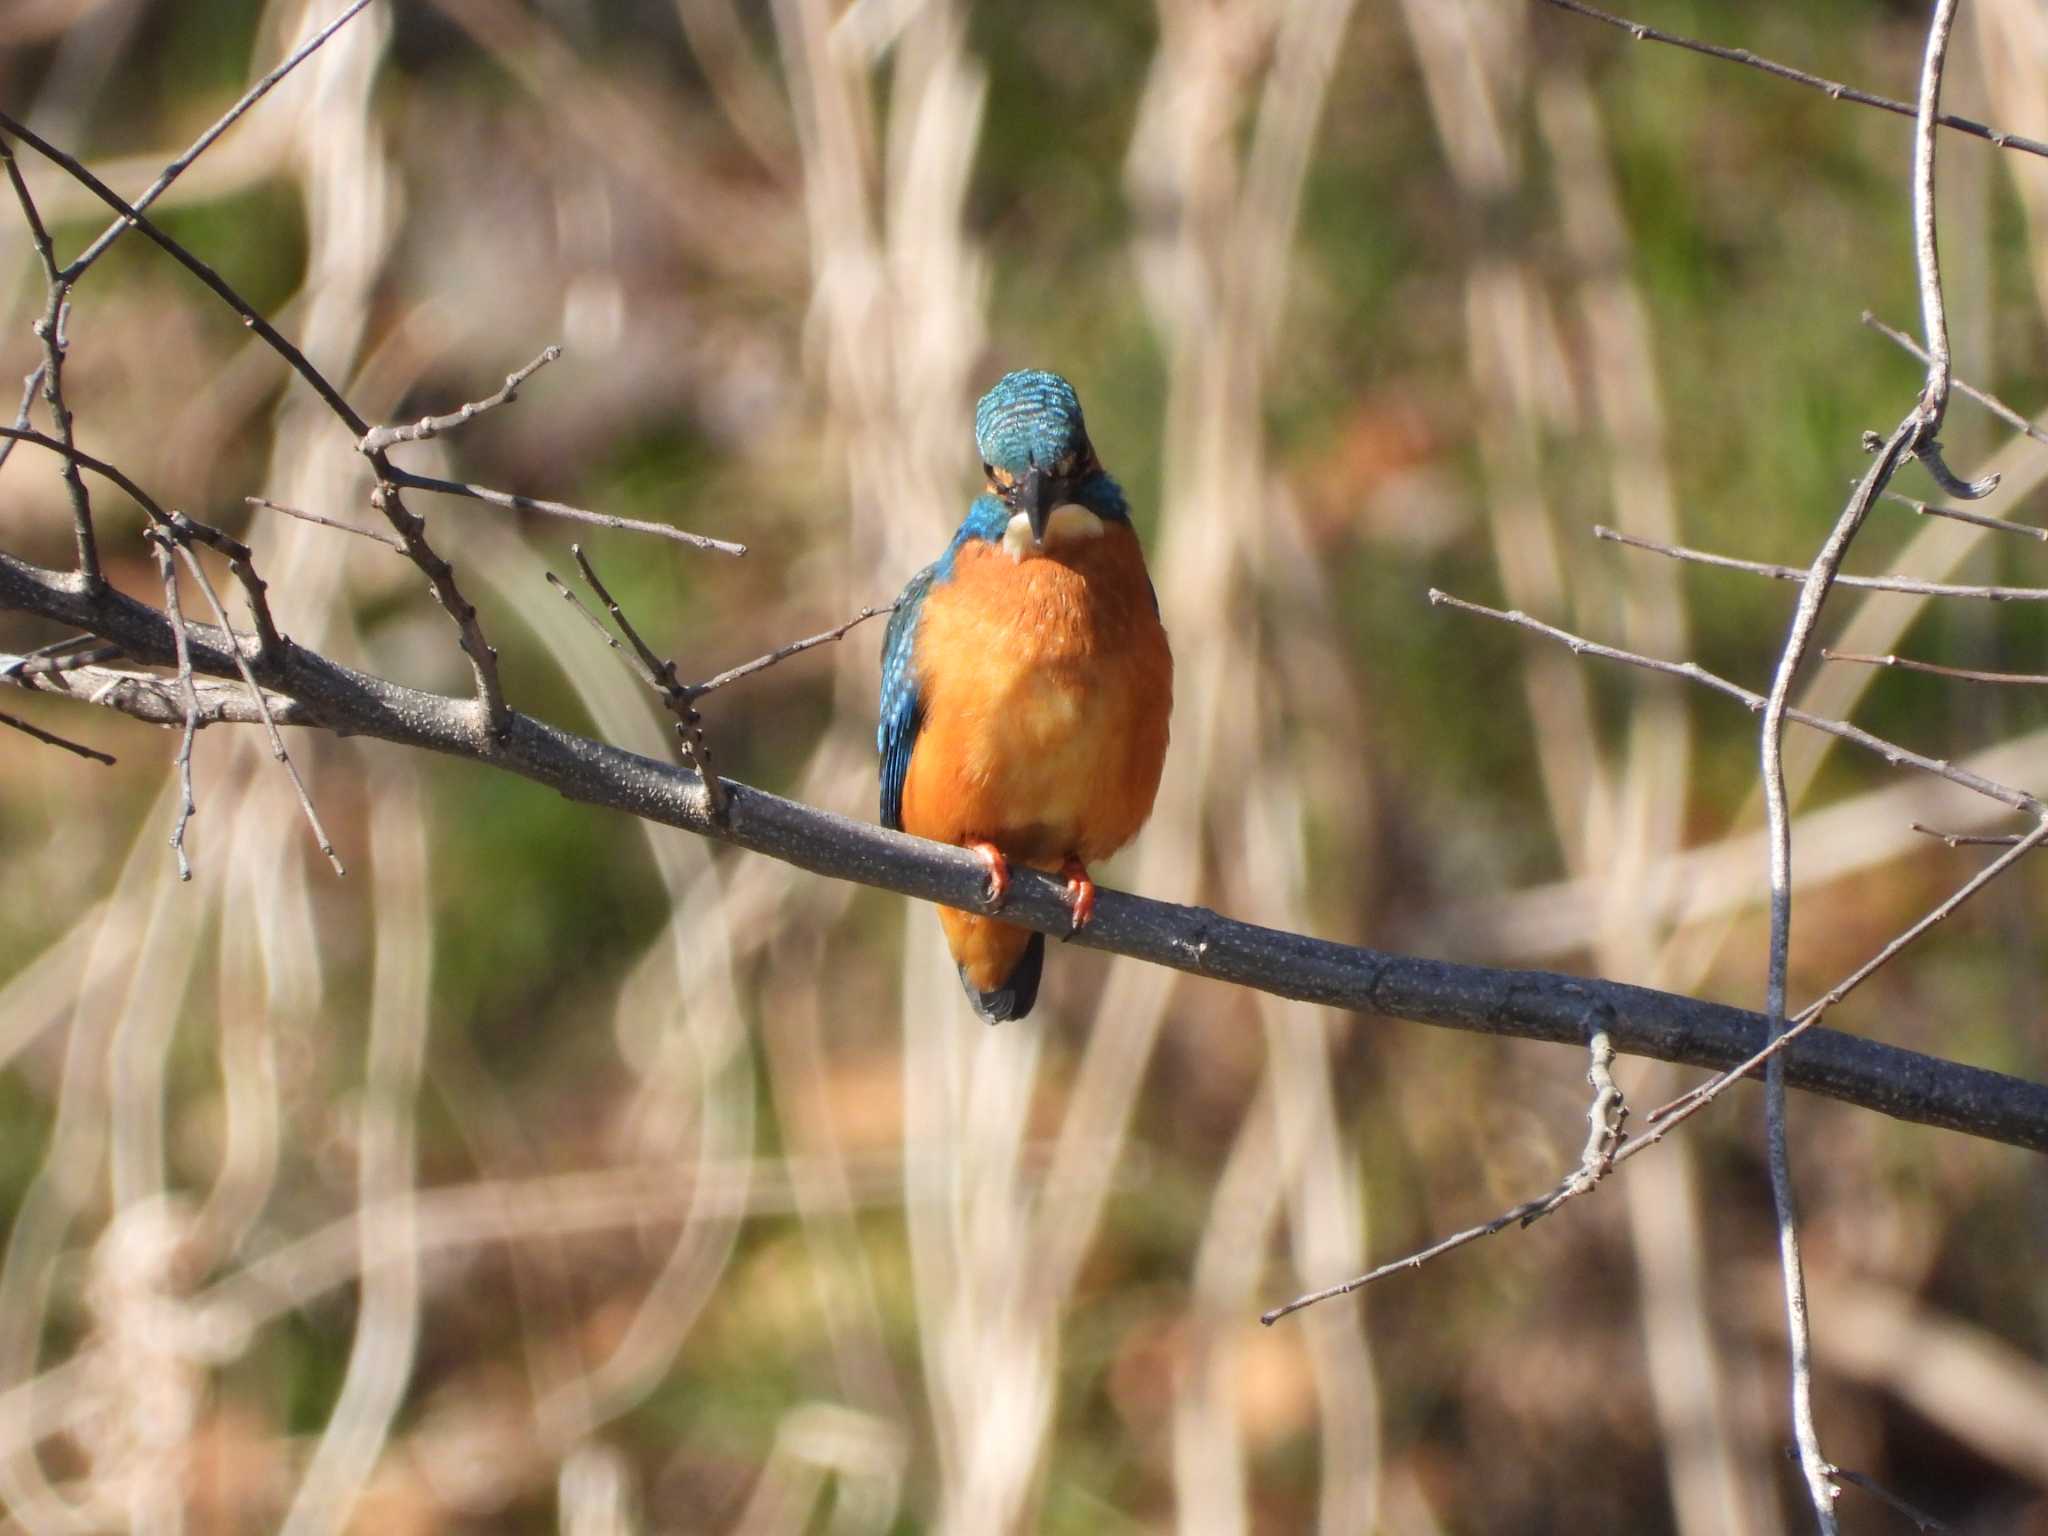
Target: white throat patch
(1067,522)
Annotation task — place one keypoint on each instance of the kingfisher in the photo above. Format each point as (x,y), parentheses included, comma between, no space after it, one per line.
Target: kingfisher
(1026,681)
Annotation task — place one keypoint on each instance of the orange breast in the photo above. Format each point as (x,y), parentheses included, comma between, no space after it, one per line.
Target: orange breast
(1047,686)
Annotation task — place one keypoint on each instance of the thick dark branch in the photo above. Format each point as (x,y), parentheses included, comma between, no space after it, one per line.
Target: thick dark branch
(1531,1004)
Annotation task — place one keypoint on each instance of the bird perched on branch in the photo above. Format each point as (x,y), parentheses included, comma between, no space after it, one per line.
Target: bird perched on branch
(1026,682)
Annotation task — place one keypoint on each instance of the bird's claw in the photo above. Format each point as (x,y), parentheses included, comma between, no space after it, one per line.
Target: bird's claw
(1080,895)
(997,864)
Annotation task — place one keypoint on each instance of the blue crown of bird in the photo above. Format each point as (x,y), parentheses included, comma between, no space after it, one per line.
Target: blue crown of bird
(1026,682)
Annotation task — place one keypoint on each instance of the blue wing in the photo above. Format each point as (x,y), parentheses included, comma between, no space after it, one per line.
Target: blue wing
(902,710)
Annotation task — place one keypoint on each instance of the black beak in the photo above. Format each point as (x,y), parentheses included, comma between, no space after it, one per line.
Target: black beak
(1034,500)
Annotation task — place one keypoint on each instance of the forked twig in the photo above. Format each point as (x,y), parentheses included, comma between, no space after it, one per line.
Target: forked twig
(277,747)
(658,674)
(1990,402)
(200,145)
(377,439)
(1605,1118)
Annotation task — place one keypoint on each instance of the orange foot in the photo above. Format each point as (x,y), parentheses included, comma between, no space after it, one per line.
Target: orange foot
(1080,894)
(997,863)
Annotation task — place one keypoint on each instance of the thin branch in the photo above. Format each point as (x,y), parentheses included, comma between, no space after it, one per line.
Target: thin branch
(1975,519)
(411,529)
(1990,402)
(1527,1004)
(326,522)
(1933,309)
(1921,1521)
(50,330)
(256,695)
(659,675)
(1897,756)
(405,477)
(167,568)
(1964,674)
(1794,573)
(1833,88)
(1968,839)
(51,740)
(1605,1117)
(1777,813)
(380,438)
(200,145)
(242,566)
(783,653)
(29,388)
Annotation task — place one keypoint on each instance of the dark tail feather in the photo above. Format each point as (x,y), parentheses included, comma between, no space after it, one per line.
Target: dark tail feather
(1013,999)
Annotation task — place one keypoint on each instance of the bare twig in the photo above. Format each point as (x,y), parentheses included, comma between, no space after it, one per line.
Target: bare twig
(50,330)
(660,675)
(516,503)
(1926,248)
(51,739)
(167,568)
(380,438)
(1969,839)
(1834,88)
(1605,1117)
(1891,752)
(1990,402)
(256,694)
(326,522)
(29,388)
(200,145)
(1975,519)
(1863,583)
(1963,674)
(1917,434)
(411,529)
(1921,1521)
(784,652)
(242,566)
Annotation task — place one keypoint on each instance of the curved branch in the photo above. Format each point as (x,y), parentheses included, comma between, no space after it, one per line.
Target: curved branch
(1535,1005)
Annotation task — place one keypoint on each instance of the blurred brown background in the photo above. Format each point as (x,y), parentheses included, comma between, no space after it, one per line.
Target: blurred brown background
(554,1172)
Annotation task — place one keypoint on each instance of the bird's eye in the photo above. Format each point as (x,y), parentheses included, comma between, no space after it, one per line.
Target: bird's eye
(1065,466)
